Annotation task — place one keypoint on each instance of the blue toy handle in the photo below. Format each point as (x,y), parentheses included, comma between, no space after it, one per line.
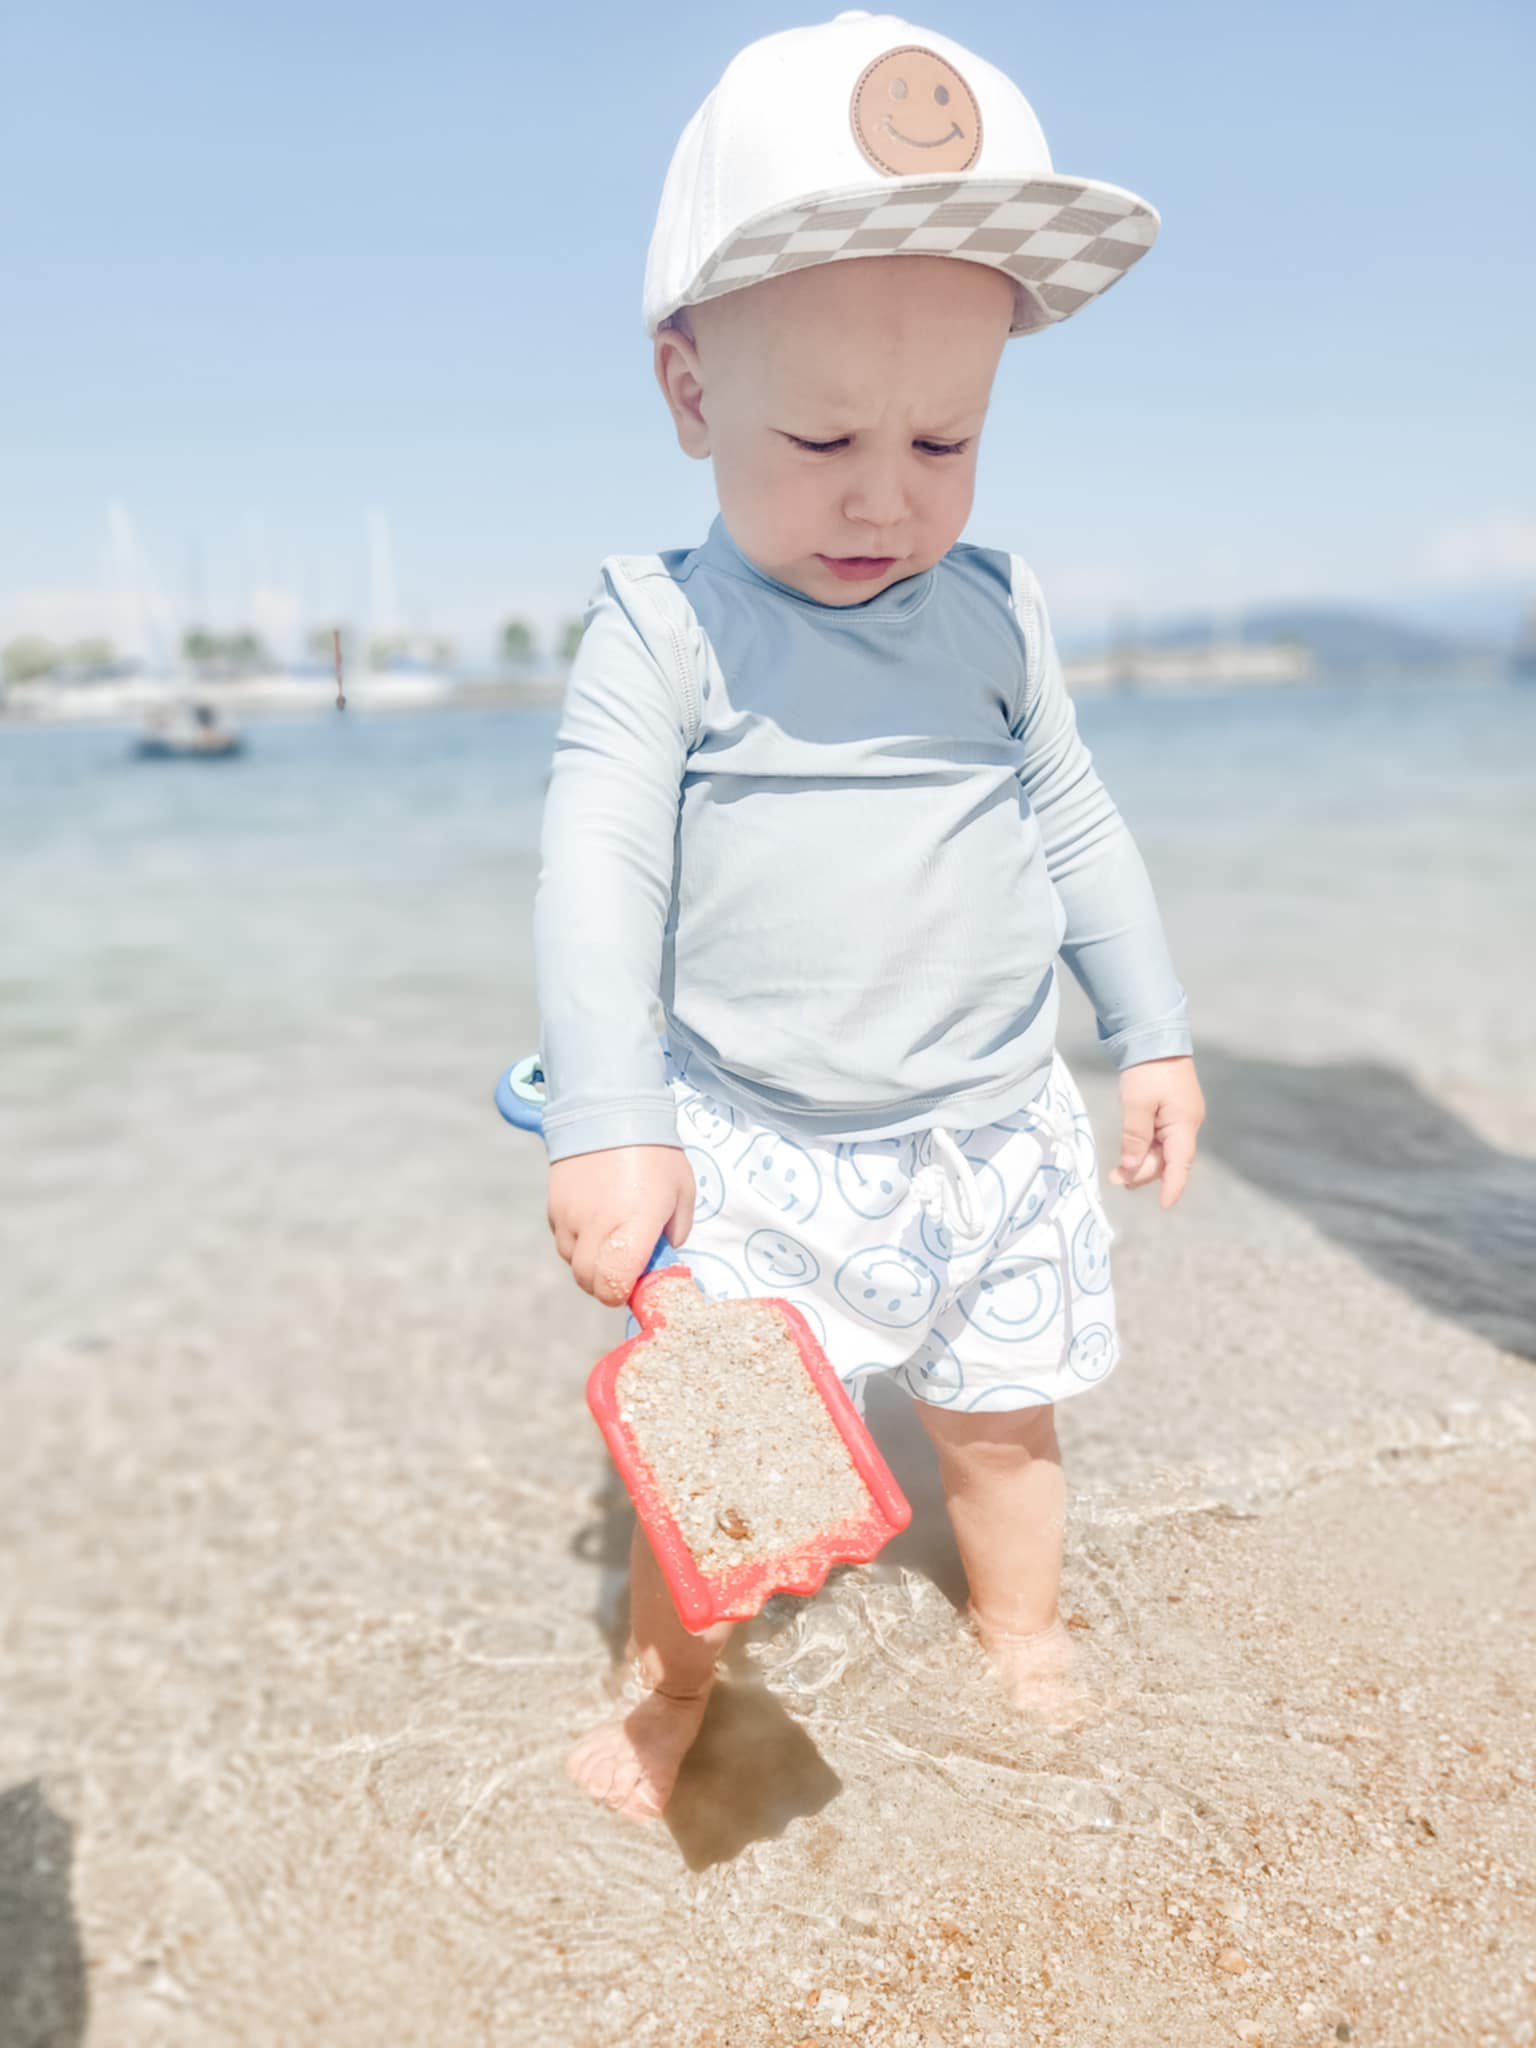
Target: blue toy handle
(520,1098)
(520,1095)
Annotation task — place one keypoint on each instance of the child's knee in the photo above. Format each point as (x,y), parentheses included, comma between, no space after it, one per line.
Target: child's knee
(996,1441)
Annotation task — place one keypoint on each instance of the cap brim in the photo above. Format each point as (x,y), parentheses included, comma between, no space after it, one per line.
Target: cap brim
(1063,241)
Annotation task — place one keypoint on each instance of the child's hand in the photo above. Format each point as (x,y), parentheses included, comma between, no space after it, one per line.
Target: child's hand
(1161,1108)
(607,1210)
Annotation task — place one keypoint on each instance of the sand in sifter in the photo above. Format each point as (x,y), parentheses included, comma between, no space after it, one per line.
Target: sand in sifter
(749,1467)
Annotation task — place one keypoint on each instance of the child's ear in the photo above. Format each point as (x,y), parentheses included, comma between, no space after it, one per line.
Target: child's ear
(677,372)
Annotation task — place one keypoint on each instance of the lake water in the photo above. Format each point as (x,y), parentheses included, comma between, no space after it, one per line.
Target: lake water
(1341,871)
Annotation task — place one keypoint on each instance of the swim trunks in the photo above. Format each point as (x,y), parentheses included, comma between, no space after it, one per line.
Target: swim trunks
(973,1263)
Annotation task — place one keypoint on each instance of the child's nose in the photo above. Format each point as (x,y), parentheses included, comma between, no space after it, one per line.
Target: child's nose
(877,494)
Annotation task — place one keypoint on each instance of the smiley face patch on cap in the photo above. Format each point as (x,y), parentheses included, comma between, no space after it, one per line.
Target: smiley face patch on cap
(912,111)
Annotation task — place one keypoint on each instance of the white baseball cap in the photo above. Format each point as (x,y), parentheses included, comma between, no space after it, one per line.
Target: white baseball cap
(868,136)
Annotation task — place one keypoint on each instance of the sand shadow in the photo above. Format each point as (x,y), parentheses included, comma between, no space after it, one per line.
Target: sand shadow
(43,1996)
(1384,1170)
(927,1545)
(753,1769)
(603,1542)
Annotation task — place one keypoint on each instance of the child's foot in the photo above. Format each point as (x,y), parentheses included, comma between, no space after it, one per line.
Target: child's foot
(630,1765)
(1036,1670)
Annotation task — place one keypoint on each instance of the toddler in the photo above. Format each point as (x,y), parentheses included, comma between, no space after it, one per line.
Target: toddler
(819,824)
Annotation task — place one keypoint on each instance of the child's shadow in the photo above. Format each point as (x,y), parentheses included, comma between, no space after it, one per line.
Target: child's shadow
(1385,1170)
(44,1997)
(753,1769)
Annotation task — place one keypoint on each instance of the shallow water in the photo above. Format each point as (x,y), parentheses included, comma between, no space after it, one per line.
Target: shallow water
(1340,868)
(313,1562)
(338,923)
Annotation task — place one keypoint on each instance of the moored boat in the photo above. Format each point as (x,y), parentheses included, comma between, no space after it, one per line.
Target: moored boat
(195,735)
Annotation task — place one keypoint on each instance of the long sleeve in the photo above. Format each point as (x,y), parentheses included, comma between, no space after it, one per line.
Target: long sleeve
(1113,939)
(607,851)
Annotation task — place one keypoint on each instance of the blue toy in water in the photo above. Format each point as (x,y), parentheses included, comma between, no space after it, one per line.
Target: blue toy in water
(520,1098)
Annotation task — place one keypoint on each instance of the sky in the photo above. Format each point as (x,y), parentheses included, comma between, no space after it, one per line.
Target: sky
(281,284)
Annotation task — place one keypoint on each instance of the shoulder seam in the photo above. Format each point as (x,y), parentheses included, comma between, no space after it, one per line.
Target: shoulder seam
(1023,589)
(647,569)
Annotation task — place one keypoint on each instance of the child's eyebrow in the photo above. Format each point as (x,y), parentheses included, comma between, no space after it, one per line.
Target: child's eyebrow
(954,425)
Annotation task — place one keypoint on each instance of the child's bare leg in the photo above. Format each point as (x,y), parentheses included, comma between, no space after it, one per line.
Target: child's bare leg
(631,1763)
(1006,1497)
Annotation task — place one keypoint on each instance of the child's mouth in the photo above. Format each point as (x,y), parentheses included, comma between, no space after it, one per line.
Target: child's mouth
(858,568)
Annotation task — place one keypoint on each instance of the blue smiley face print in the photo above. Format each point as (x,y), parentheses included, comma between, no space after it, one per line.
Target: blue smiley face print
(873,1175)
(1031,1206)
(1092,1351)
(1017,1298)
(708,1183)
(1090,1255)
(777,1261)
(781,1175)
(934,1373)
(701,1120)
(886,1285)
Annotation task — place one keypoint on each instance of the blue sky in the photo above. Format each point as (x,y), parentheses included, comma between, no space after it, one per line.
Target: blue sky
(264,270)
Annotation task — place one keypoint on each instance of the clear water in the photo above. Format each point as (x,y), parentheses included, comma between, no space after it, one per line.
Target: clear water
(1387,790)
(1339,868)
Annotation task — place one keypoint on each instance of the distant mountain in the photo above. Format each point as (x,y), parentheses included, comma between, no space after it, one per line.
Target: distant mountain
(1493,616)
(1340,636)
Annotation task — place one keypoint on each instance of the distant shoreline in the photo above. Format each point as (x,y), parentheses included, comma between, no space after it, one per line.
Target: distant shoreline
(128,704)
(262,698)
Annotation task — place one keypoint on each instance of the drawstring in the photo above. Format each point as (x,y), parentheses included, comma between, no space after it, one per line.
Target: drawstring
(951,1202)
(947,1188)
(1056,1117)
(1059,1121)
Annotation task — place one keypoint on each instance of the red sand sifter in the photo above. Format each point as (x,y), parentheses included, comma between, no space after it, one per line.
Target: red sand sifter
(703,1597)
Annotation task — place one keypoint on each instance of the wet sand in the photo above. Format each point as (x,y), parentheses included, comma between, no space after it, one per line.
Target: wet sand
(311,1565)
(313,1573)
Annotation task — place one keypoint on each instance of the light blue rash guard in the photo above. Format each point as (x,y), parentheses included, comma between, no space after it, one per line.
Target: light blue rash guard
(833,851)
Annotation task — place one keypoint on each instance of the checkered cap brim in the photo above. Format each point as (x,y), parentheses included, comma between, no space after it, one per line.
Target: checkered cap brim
(1064,240)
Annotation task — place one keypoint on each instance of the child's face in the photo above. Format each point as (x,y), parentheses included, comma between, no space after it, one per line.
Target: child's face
(890,358)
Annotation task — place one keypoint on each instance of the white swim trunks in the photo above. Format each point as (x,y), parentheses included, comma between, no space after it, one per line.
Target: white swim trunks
(974,1263)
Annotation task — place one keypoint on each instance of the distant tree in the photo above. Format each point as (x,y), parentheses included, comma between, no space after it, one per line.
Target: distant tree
(385,651)
(570,638)
(444,653)
(29,657)
(518,647)
(247,651)
(237,653)
(92,654)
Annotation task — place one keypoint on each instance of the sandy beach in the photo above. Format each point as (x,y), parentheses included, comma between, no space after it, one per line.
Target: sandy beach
(311,1564)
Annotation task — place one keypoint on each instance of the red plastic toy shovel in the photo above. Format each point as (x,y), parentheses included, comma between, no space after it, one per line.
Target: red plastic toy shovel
(703,1598)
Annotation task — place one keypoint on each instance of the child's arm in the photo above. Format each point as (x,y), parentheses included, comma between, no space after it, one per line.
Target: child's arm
(607,842)
(1113,937)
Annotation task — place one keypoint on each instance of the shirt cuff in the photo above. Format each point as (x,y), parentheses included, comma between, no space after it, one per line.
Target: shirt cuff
(1150,1042)
(627,1123)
